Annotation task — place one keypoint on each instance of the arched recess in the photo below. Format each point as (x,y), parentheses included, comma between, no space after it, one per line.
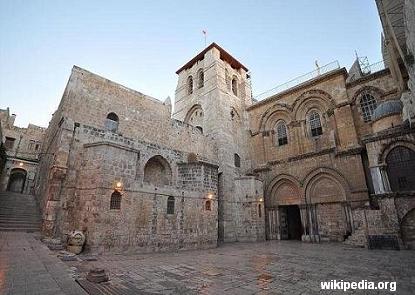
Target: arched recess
(317,99)
(324,185)
(408,229)
(17,180)
(326,192)
(157,171)
(284,189)
(278,111)
(400,167)
(195,116)
(374,91)
(386,148)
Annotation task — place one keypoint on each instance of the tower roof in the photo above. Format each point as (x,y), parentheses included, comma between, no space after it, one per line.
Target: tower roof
(223,55)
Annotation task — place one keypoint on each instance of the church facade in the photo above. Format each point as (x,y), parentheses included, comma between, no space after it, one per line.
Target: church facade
(324,160)
(330,158)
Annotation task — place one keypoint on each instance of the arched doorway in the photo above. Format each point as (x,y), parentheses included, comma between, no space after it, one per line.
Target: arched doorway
(283,212)
(400,168)
(17,180)
(327,207)
(408,229)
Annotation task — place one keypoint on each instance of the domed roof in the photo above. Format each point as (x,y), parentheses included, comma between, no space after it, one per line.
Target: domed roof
(387,108)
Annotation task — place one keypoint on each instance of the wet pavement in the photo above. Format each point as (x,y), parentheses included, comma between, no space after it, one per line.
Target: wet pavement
(273,267)
(29,267)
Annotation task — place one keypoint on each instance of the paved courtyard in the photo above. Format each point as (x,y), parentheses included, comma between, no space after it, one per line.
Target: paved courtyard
(277,267)
(29,267)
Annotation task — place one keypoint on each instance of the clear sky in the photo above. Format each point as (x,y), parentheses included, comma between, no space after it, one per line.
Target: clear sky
(141,44)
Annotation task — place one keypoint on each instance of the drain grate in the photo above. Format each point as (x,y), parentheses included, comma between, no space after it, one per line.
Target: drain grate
(110,288)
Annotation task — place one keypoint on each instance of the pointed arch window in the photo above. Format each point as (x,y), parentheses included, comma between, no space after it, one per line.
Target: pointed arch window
(367,106)
(315,124)
(281,131)
(190,85)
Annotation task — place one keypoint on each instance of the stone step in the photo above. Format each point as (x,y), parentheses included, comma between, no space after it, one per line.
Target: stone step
(27,229)
(34,221)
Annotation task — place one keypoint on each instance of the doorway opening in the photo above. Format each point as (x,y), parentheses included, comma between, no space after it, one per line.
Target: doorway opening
(17,180)
(290,223)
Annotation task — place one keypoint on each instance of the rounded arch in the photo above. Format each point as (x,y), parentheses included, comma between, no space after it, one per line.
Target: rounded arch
(157,171)
(315,98)
(17,180)
(284,189)
(111,122)
(408,229)
(374,91)
(195,116)
(324,185)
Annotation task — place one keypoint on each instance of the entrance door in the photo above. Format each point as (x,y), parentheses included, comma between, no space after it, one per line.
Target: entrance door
(290,223)
(283,223)
(272,224)
(17,180)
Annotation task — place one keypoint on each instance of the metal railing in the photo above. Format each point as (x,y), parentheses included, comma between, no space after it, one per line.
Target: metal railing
(298,80)
(373,68)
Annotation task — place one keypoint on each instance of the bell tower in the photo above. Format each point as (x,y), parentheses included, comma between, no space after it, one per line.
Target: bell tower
(212,94)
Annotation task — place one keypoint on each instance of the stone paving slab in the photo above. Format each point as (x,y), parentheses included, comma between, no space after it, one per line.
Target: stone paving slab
(273,267)
(29,267)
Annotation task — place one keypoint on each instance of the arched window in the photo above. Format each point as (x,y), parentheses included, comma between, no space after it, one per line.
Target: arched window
(170,205)
(237,160)
(115,202)
(111,123)
(401,169)
(315,124)
(227,80)
(208,205)
(200,128)
(367,106)
(200,79)
(157,171)
(259,210)
(190,85)
(281,130)
(235,86)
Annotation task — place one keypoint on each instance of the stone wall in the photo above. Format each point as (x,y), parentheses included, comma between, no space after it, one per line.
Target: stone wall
(83,163)
(24,153)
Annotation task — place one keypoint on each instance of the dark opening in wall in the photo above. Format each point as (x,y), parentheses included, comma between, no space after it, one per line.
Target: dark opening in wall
(115,202)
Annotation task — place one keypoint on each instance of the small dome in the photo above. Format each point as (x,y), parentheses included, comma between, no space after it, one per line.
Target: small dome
(387,108)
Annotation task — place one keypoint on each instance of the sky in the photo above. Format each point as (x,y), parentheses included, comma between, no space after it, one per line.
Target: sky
(140,44)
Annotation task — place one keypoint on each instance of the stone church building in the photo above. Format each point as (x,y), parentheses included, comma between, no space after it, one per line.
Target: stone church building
(330,157)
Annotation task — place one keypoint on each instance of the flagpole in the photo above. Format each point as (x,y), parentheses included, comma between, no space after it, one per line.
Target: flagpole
(204,34)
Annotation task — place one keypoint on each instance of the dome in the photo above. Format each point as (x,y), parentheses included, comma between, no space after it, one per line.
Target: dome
(387,108)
